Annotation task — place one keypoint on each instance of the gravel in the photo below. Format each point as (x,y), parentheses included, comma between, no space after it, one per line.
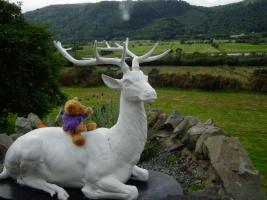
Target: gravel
(175,165)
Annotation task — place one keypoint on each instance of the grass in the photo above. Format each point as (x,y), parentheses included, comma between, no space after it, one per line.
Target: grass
(240,114)
(242,47)
(141,47)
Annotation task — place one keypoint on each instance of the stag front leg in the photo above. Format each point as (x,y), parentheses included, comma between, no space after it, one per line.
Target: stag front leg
(110,188)
(140,174)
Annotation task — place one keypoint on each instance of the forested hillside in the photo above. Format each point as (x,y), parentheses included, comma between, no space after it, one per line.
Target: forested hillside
(150,19)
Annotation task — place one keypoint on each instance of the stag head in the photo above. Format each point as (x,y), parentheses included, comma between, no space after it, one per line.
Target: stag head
(134,84)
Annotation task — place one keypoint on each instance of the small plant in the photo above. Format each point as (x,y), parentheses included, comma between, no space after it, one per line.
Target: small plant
(194,188)
(149,152)
(106,114)
(8,123)
(172,159)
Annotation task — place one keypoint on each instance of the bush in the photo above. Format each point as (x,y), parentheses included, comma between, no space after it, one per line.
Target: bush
(86,76)
(29,66)
(258,80)
(106,115)
(198,81)
(8,123)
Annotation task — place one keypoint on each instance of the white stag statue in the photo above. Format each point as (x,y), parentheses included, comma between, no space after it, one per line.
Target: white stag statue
(46,159)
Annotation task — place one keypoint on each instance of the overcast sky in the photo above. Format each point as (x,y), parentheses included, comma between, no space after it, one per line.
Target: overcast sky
(34,4)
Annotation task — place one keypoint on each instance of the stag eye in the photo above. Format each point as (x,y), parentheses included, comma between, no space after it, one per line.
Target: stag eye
(127,83)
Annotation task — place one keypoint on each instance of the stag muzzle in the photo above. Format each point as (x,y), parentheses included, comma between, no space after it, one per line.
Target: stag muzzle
(149,96)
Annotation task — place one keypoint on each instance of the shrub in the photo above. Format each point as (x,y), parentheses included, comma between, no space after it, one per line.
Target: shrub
(106,115)
(149,152)
(8,123)
(258,80)
(29,65)
(68,77)
(86,76)
(198,81)
(206,82)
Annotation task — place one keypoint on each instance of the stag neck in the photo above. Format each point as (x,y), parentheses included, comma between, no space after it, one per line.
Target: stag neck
(129,134)
(132,115)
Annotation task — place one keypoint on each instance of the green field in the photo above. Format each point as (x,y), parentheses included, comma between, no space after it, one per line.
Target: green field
(240,114)
(240,73)
(141,47)
(242,47)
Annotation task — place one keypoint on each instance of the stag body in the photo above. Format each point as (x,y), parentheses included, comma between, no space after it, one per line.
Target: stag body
(45,158)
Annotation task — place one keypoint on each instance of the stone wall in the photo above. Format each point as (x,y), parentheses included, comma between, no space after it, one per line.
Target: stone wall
(216,163)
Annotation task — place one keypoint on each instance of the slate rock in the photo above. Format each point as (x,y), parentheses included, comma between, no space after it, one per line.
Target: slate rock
(35,120)
(232,164)
(210,122)
(16,136)
(159,187)
(185,124)
(152,116)
(160,121)
(195,197)
(192,135)
(5,142)
(205,131)
(23,125)
(173,120)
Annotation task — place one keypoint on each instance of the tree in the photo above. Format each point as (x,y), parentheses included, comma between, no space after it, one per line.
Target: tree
(29,65)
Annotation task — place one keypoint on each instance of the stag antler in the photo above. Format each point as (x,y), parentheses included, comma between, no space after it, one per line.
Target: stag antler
(115,61)
(136,59)
(97,60)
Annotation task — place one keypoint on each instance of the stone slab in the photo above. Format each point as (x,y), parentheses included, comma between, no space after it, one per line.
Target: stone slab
(159,187)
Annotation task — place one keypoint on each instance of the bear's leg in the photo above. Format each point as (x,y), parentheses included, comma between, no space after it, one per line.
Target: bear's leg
(77,138)
(91,126)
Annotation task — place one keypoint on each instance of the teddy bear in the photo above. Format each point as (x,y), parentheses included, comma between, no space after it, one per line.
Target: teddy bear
(74,114)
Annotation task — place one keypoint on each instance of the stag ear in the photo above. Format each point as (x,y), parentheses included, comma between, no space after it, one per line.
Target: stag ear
(111,82)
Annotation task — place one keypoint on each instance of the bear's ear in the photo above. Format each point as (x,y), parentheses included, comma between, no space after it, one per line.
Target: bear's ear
(111,82)
(76,98)
(69,109)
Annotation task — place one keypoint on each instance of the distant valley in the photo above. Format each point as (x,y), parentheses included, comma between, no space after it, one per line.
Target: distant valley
(160,20)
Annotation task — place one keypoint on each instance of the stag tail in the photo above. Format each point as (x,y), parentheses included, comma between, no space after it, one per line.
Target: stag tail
(4,174)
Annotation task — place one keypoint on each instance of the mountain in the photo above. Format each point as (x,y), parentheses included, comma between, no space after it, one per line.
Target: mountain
(157,19)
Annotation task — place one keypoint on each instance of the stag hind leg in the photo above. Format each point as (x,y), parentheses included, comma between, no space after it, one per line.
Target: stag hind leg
(110,188)
(41,184)
(29,158)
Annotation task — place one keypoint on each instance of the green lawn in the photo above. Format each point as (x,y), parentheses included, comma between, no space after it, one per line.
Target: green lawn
(240,114)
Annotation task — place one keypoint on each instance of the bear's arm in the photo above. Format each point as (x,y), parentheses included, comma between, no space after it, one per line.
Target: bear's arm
(85,115)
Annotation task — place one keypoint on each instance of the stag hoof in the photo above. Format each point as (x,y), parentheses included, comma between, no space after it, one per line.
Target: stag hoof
(62,194)
(133,193)
(140,174)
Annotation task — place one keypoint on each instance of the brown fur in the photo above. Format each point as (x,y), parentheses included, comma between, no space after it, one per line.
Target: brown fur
(74,107)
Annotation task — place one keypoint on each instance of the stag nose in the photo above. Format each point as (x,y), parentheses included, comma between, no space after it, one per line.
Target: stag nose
(151,93)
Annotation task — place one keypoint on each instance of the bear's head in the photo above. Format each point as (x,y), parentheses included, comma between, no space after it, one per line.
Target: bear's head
(74,107)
